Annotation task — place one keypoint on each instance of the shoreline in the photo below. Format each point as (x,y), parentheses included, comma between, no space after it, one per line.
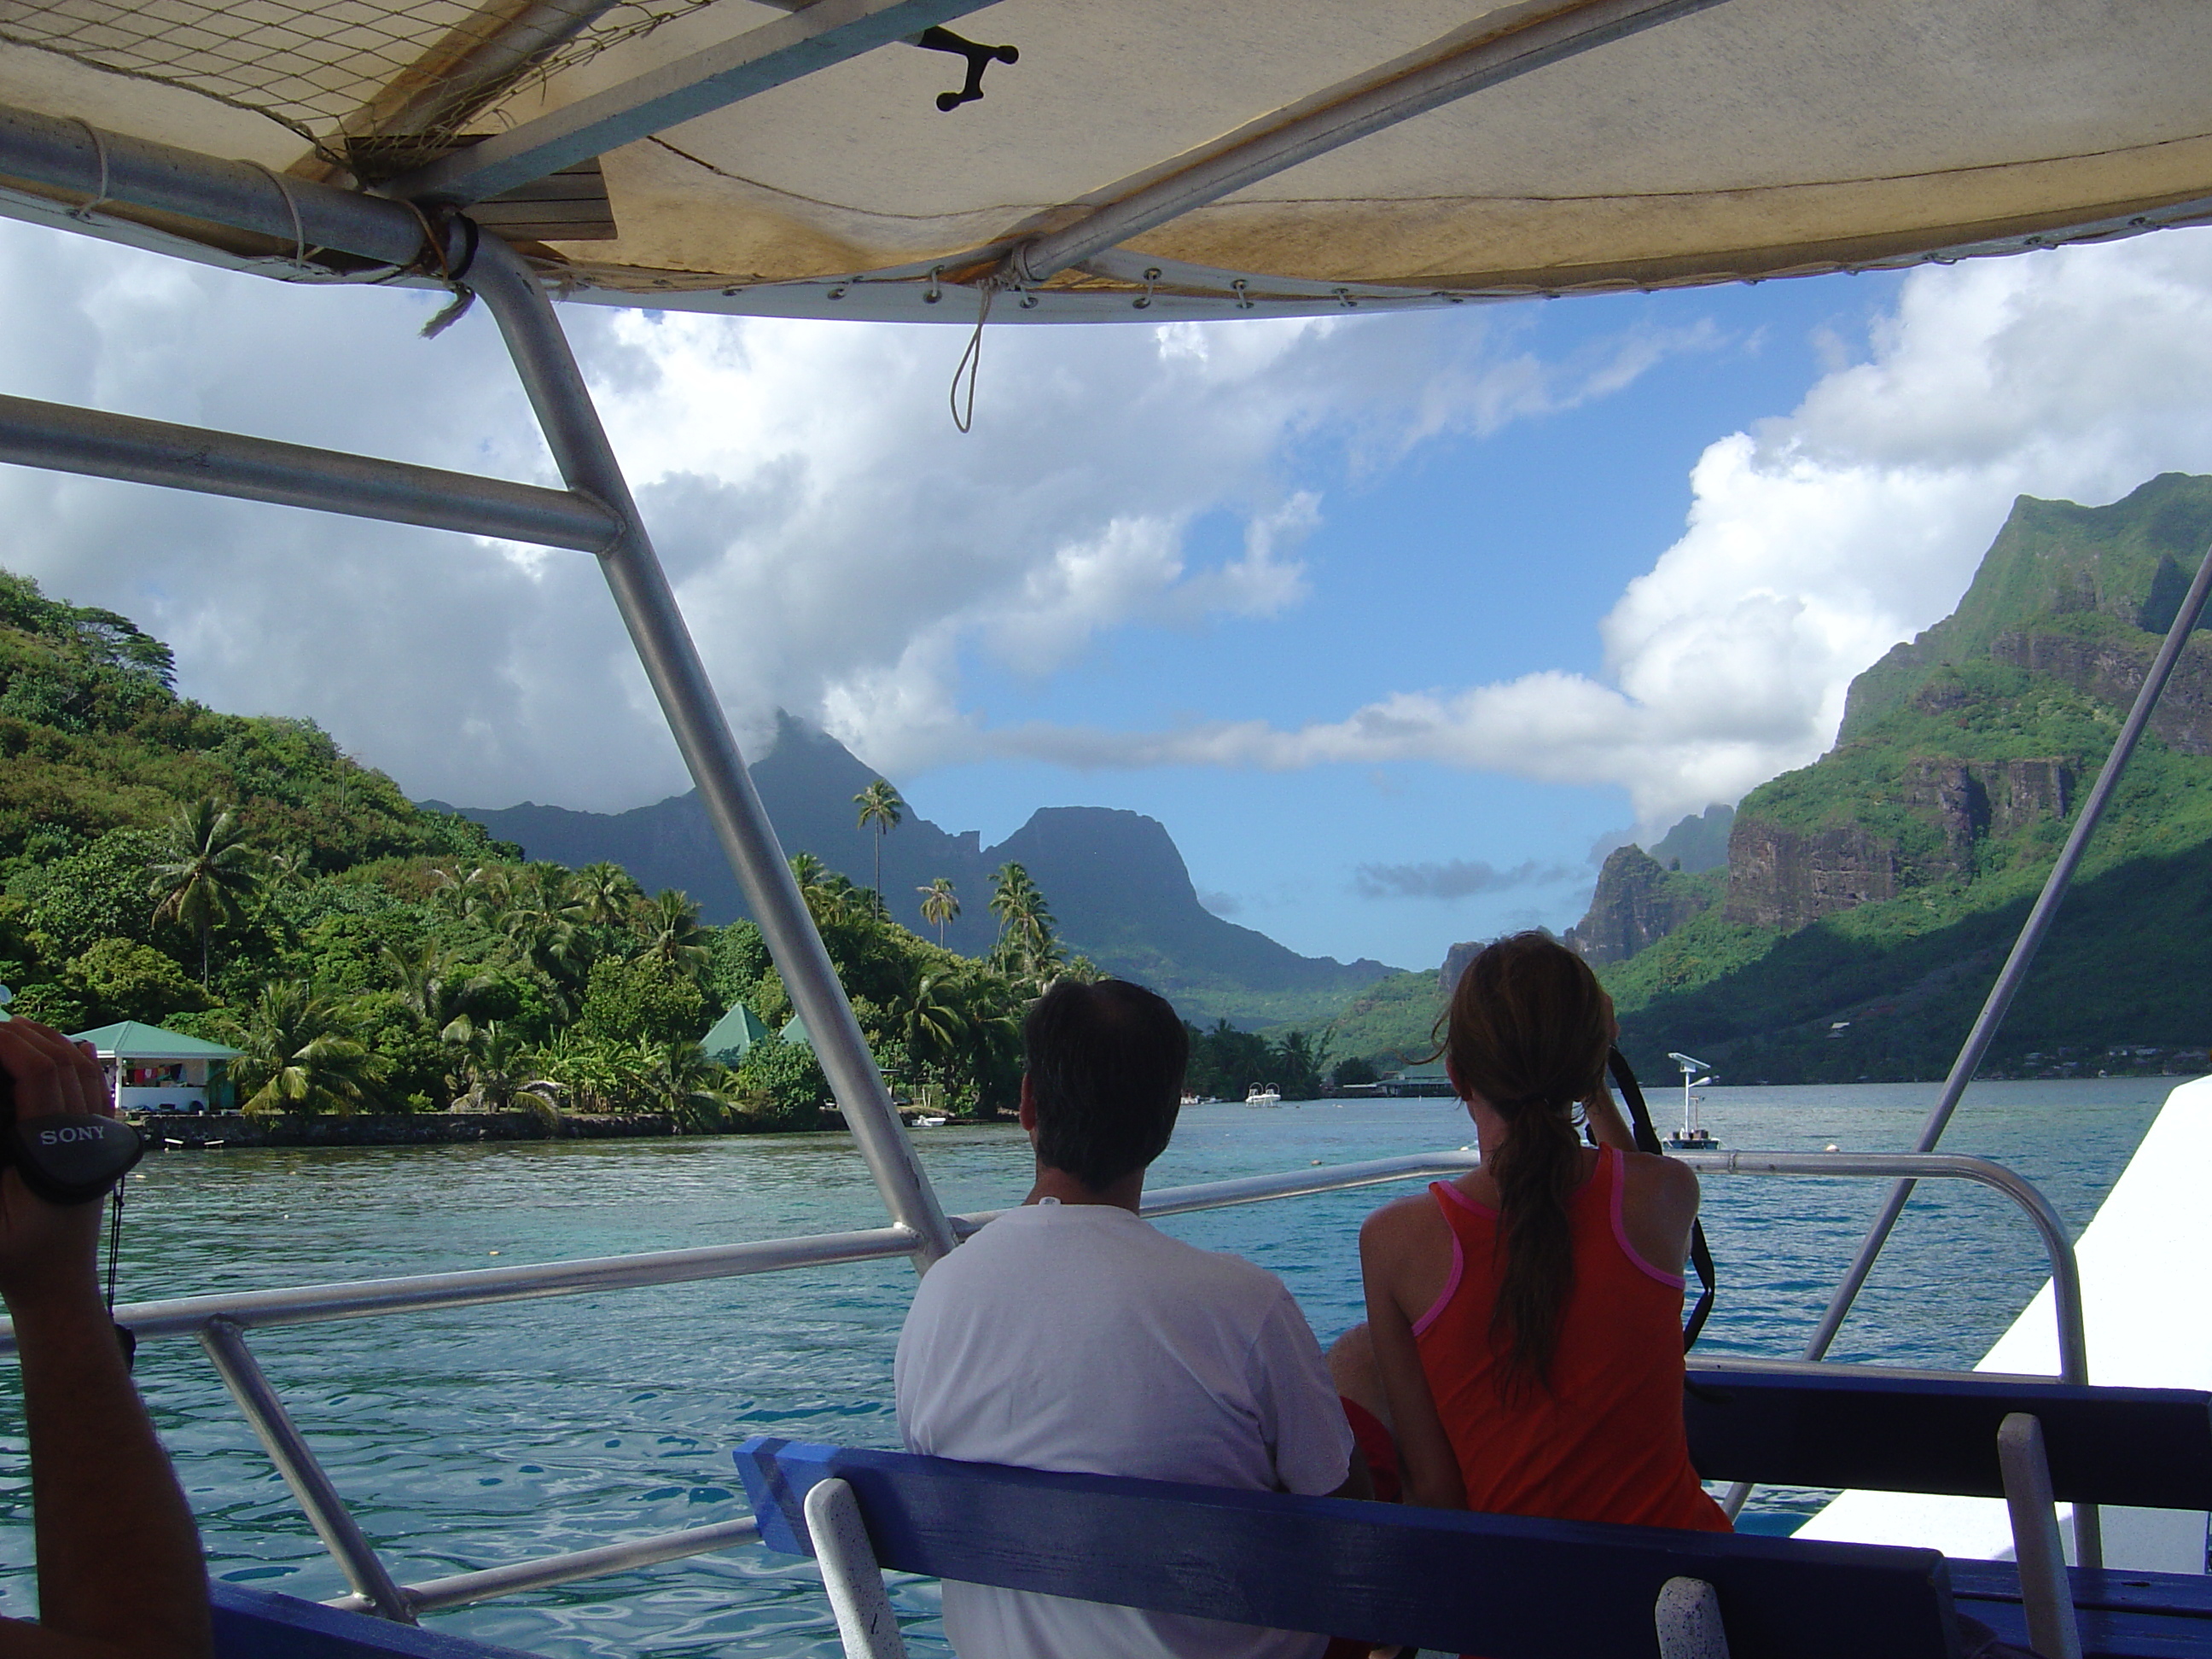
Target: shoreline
(207,1131)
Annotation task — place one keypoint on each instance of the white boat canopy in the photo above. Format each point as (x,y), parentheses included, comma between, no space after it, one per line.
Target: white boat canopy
(1144,158)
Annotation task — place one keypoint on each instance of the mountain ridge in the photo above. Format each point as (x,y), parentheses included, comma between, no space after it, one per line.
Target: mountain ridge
(1870,895)
(1117,885)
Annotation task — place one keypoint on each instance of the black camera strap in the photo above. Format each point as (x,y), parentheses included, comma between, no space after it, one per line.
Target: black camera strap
(1647,1141)
(126,1338)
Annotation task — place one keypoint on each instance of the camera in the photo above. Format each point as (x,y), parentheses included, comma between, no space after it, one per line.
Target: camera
(65,1157)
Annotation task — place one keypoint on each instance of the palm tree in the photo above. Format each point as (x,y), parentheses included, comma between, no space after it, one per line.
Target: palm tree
(204,874)
(604,894)
(539,913)
(939,904)
(930,1019)
(822,889)
(293,867)
(880,804)
(1025,940)
(494,1072)
(668,926)
(296,1054)
(434,994)
(681,1081)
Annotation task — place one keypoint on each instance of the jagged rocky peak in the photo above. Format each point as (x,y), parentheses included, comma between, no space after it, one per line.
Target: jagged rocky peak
(1640,897)
(1639,902)
(2113,576)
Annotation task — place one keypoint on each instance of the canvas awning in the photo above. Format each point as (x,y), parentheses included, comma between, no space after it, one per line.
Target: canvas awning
(738,157)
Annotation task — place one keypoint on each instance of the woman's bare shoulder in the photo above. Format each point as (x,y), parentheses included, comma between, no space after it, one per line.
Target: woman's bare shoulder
(1413,1220)
(1659,1202)
(1662,1178)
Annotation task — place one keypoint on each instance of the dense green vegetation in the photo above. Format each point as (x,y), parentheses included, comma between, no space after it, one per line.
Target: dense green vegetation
(1392,1023)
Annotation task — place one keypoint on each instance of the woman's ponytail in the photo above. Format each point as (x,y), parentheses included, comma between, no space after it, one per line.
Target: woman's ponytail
(1529,1034)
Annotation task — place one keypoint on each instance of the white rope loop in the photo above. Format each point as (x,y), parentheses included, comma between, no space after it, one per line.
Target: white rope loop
(971,360)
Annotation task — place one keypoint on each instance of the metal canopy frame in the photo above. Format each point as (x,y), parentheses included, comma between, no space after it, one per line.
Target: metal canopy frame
(596,512)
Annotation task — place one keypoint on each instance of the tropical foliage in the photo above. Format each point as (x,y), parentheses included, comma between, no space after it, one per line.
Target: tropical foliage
(244,881)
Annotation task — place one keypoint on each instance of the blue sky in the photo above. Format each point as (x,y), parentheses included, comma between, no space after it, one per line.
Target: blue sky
(1394,622)
(1469,557)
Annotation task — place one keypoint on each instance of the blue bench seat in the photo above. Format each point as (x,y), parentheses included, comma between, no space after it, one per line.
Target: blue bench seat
(1515,1587)
(1448,1581)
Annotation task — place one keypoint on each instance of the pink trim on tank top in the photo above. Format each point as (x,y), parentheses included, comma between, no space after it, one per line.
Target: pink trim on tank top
(1619,1161)
(1459,1258)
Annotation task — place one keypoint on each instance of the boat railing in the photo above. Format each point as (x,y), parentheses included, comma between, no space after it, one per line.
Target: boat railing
(221,1322)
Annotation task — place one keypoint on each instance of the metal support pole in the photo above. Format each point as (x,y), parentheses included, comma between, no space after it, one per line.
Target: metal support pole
(867,1628)
(2046,1594)
(679,680)
(2023,951)
(519,1577)
(326,1510)
(91,441)
(64,154)
(2065,1272)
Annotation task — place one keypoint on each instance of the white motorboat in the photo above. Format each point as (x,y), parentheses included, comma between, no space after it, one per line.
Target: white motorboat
(1263,1094)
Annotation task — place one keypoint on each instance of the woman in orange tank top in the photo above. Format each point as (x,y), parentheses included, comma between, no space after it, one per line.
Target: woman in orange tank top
(1526,1319)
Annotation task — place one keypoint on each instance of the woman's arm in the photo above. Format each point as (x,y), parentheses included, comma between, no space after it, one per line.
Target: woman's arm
(1389,1243)
(1608,1127)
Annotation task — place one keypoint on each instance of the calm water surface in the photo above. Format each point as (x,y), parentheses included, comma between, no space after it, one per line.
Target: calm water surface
(469,1438)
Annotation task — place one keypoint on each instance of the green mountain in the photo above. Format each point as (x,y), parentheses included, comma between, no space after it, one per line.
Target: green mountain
(1870,897)
(93,739)
(1118,889)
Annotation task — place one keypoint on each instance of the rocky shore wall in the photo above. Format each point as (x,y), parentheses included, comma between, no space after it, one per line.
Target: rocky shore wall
(184,1131)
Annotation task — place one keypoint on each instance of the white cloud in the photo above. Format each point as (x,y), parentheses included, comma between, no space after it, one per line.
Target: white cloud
(841,550)
(1817,541)
(838,548)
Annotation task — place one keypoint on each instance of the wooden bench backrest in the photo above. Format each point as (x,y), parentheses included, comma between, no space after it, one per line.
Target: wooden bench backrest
(2150,1448)
(1449,1581)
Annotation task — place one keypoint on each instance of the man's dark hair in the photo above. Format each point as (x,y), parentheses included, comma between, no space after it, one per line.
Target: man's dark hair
(1105,1064)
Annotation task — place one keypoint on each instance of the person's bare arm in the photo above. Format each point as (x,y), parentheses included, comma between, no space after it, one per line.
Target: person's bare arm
(1607,1127)
(121,1575)
(1394,1244)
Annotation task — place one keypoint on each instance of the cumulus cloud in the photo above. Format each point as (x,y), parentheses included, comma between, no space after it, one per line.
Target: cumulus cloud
(839,549)
(1458,879)
(1815,541)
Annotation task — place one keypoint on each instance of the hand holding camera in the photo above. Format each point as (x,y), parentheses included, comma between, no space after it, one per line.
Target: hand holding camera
(59,1139)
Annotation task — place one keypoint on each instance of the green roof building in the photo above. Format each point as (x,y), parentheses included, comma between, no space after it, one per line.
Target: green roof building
(794,1031)
(734,1035)
(151,1070)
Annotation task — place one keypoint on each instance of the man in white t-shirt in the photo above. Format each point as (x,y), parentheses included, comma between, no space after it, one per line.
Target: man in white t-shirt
(1070,1334)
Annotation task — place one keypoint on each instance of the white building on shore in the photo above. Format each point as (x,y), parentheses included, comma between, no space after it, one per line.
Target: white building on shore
(151,1070)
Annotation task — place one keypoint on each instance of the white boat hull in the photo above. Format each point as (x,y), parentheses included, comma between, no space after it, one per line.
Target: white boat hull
(2143,1309)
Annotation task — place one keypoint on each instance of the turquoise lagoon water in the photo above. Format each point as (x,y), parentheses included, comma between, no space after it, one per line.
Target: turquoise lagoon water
(469,1438)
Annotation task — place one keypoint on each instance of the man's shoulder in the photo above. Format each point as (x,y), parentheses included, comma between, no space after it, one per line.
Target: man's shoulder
(1120,1247)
